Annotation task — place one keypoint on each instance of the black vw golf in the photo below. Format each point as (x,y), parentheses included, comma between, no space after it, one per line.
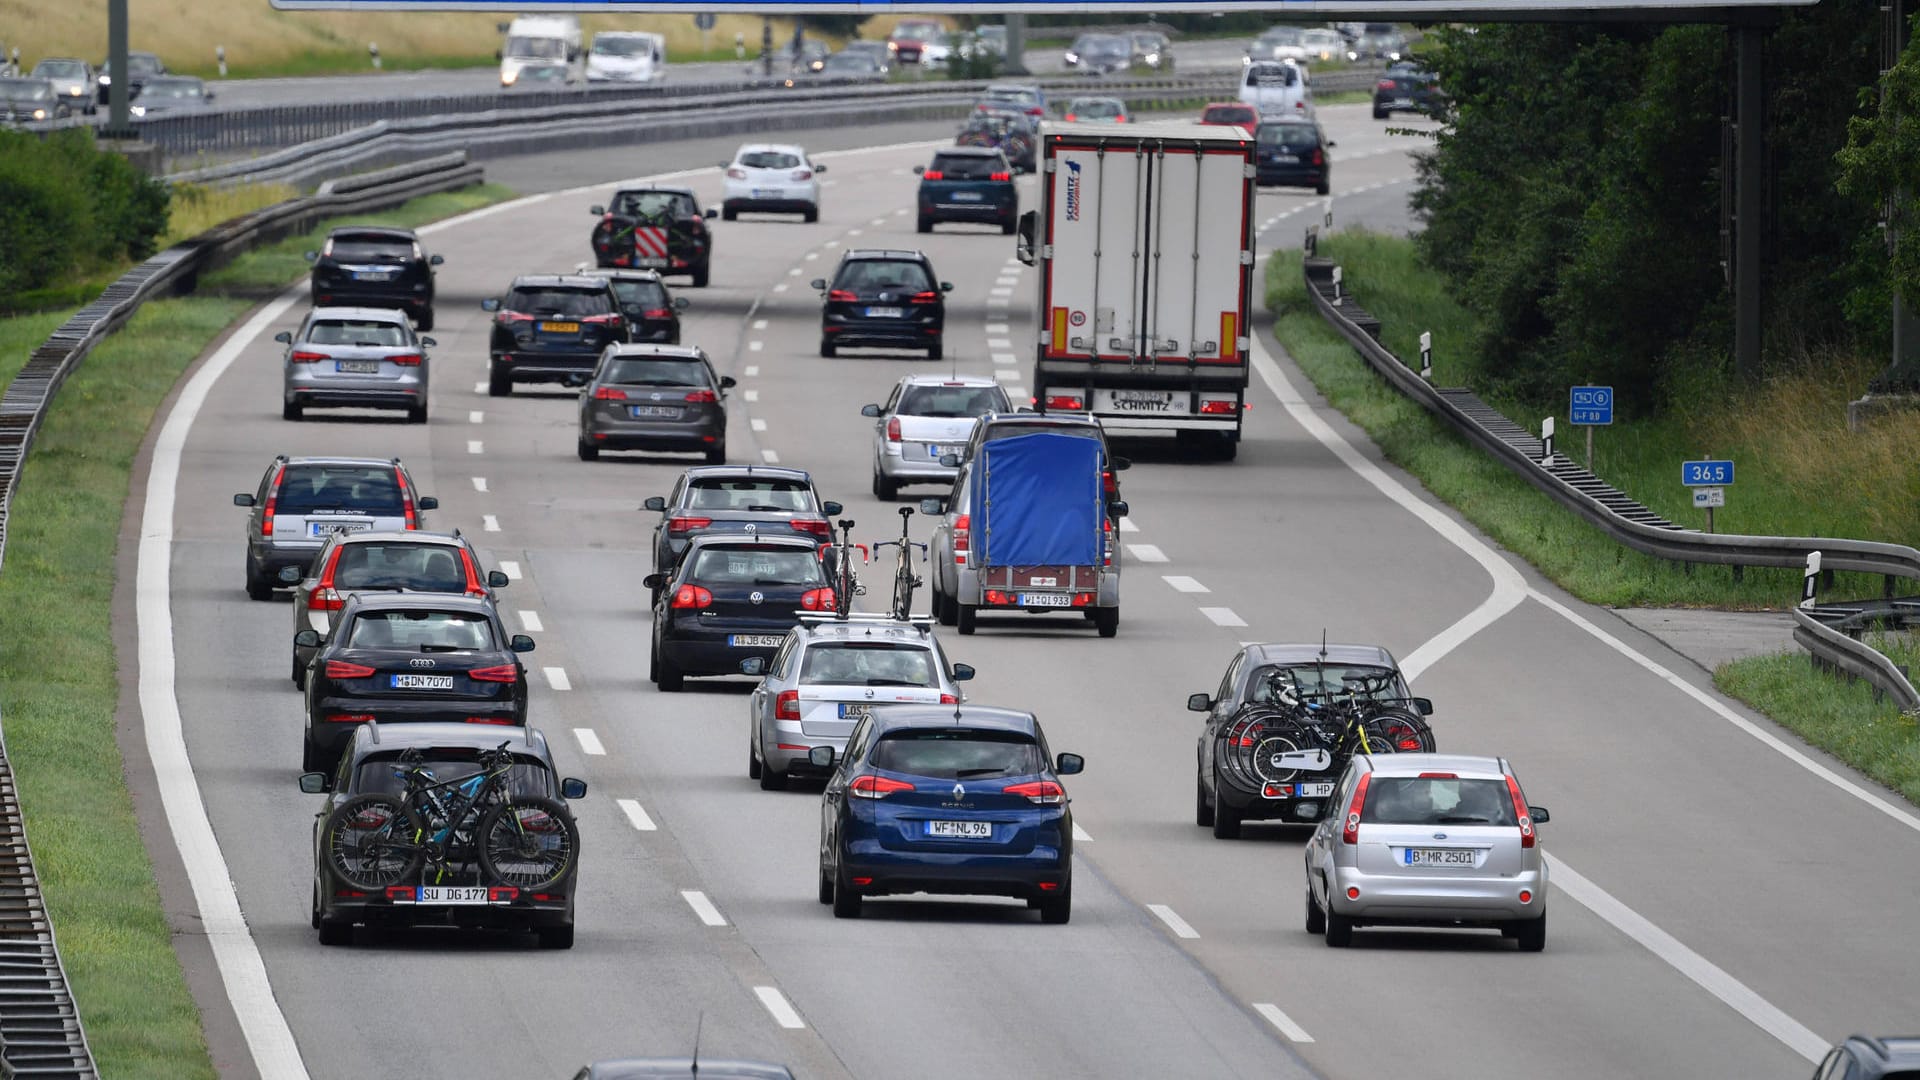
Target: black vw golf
(883,298)
(732,598)
(406,657)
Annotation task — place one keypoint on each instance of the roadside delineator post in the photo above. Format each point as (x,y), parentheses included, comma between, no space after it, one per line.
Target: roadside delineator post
(1810,585)
(1546,441)
(220,56)
(1336,286)
(373,50)
(1426,355)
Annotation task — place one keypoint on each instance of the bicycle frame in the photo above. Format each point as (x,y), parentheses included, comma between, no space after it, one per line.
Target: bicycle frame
(904,580)
(447,816)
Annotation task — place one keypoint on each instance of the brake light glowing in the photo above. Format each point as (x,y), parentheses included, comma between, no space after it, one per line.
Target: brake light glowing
(925,298)
(949,699)
(610,393)
(1108,484)
(611,319)
(876,787)
(1350,831)
(1001,176)
(1044,792)
(961,526)
(1068,402)
(933,174)
(843,296)
(817,600)
(657,313)
(350,718)
(505,673)
(273,496)
(341,669)
(513,316)
(692,596)
(1071,118)
(809,525)
(411,359)
(1217,408)
(703,397)
(893,429)
(302,356)
(1521,812)
(786,705)
(687,524)
(502,721)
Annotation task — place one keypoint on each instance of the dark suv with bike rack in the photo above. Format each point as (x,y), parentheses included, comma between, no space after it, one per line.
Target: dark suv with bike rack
(360,878)
(1284,722)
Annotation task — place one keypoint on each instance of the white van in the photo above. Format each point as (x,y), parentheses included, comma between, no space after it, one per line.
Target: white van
(543,47)
(1276,87)
(627,56)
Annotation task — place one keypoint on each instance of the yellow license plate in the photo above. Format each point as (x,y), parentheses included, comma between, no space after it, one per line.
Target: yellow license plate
(560,327)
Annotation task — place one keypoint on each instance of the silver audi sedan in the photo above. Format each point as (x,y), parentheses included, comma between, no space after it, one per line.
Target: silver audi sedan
(353,357)
(926,418)
(1443,840)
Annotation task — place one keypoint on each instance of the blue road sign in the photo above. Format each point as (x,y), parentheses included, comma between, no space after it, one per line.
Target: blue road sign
(1590,405)
(1706,473)
(704,20)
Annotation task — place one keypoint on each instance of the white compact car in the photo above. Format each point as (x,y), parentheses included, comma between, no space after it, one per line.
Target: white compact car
(770,178)
(627,56)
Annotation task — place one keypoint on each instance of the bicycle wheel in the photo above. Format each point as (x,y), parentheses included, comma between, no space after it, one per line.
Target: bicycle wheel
(1395,731)
(371,842)
(843,585)
(531,843)
(903,590)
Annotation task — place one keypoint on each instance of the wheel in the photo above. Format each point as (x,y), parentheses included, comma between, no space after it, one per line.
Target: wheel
(700,278)
(729,214)
(258,587)
(827,349)
(1339,930)
(670,679)
(530,843)
(1202,809)
(1229,447)
(717,455)
(1006,228)
(902,597)
(812,215)
(846,902)
(315,917)
(1532,934)
(1316,915)
(299,675)
(1380,113)
(290,411)
(587,451)
(826,886)
(417,414)
(963,617)
(1323,188)
(924,225)
(884,489)
(935,352)
(361,842)
(499,383)
(772,779)
(1226,818)
(334,931)
(1106,620)
(555,937)
(753,765)
(1055,910)
(424,321)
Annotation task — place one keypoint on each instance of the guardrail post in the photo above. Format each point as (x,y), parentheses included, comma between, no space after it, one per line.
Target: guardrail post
(1310,244)
(1809,585)
(1328,220)
(1336,286)
(1426,355)
(220,56)
(1546,441)
(373,50)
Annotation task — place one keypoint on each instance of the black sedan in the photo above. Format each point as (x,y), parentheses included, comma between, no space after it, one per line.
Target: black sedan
(653,312)
(732,598)
(884,299)
(737,500)
(399,658)
(655,397)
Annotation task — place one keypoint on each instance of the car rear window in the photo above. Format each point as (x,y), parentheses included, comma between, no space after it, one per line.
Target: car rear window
(958,754)
(770,159)
(653,204)
(1270,75)
(528,776)
(1289,136)
(1225,114)
(1322,682)
(1094,107)
(967,166)
(370,488)
(648,372)
(380,564)
(558,300)
(641,294)
(1010,430)
(951,401)
(863,663)
(364,247)
(365,332)
(717,493)
(611,45)
(898,274)
(428,631)
(1408,800)
(757,566)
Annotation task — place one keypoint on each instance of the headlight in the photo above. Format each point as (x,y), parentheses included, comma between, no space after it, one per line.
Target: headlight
(39,114)
(1073,57)
(76,90)
(106,80)
(137,110)
(507,77)
(1153,58)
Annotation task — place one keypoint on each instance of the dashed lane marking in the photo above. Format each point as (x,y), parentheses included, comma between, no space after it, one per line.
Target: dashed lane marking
(998,328)
(782,287)
(475,446)
(752,370)
(489,523)
(1282,1021)
(999,343)
(479,388)
(1146,553)
(1004,358)
(1127,525)
(1081,834)
(703,907)
(769,456)
(1174,922)
(636,814)
(758,424)
(754,346)
(1007,375)
(479,483)
(589,742)
(759,324)
(557,678)
(1182,583)
(476,416)
(795,272)
(531,620)
(750,395)
(775,1001)
(510,568)
(1223,616)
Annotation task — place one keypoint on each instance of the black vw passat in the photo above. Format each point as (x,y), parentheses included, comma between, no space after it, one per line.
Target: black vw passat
(406,657)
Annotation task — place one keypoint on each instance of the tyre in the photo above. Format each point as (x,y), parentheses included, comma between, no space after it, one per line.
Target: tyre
(258,587)
(827,349)
(1532,934)
(365,842)
(315,917)
(290,411)
(1107,621)
(1055,910)
(935,352)
(884,489)
(700,278)
(771,779)
(1380,113)
(846,902)
(924,225)
(963,617)
(299,677)
(1006,228)
(1226,818)
(555,937)
(531,843)
(826,886)
(1316,915)
(1202,809)
(1339,930)
(423,322)
(334,932)
(812,215)
(499,383)
(729,214)
(1228,449)
(312,758)
(587,451)
(669,678)
(1322,188)
(417,414)
(753,765)
(902,598)
(717,455)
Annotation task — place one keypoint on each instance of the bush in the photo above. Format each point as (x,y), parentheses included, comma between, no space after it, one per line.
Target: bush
(67,209)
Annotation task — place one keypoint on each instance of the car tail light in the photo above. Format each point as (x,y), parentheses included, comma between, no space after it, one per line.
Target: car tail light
(876,787)
(350,718)
(1044,792)
(925,298)
(612,393)
(736,174)
(692,596)
(803,174)
(406,498)
(1319,158)
(475,587)
(502,721)
(961,526)
(703,397)
(786,705)
(302,356)
(1521,812)
(846,296)
(1384,84)
(1035,110)
(273,496)
(513,316)
(409,359)
(499,893)
(505,673)
(324,598)
(1006,175)
(893,429)
(657,313)
(1221,408)
(1065,401)
(1350,828)
(809,525)
(341,669)
(687,524)
(817,600)
(1071,118)
(933,174)
(611,319)
(949,699)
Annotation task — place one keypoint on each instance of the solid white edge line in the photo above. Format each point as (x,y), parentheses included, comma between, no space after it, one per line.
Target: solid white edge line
(703,907)
(531,621)
(589,742)
(242,971)
(557,678)
(1174,922)
(776,1003)
(1282,1021)
(636,814)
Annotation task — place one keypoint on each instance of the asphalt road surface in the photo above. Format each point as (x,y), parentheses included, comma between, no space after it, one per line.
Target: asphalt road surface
(1722,903)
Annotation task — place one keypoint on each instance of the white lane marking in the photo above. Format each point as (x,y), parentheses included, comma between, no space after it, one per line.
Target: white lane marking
(811,255)
(557,678)
(1223,616)
(1006,281)
(998,328)
(999,343)
(530,620)
(752,370)
(998,301)
(1282,1021)
(902,212)
(479,483)
(589,742)
(475,446)
(782,287)
(750,395)
(759,324)
(510,568)
(1000,290)
(489,523)
(1004,358)
(1146,553)
(1127,525)
(475,416)
(795,272)
(479,388)
(1509,588)
(776,1002)
(831,243)
(1174,922)
(244,974)
(1183,583)
(879,221)
(1017,392)
(753,346)
(853,232)
(1007,375)
(636,814)
(769,456)
(703,907)
(758,424)
(1737,995)
(1080,834)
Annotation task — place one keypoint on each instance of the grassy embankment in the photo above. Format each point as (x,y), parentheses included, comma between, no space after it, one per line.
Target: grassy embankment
(59,669)
(1801,473)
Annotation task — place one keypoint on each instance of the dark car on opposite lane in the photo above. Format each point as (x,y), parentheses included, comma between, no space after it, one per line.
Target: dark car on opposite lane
(970,184)
(883,299)
(736,500)
(374,266)
(172,94)
(141,66)
(301,501)
(652,311)
(410,658)
(1406,86)
(1291,151)
(654,228)
(551,328)
(655,397)
(732,598)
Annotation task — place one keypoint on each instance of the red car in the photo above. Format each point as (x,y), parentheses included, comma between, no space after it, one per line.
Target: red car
(909,35)
(1230,113)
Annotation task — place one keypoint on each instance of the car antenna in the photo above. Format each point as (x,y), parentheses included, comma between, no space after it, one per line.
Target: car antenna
(698,1022)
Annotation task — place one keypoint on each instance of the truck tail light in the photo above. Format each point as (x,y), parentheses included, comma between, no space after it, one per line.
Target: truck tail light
(1065,402)
(1350,828)
(1221,408)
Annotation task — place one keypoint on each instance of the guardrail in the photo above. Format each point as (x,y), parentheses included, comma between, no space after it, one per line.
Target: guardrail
(40,1029)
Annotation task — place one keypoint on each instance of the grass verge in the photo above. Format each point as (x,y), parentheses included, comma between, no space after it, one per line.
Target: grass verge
(59,669)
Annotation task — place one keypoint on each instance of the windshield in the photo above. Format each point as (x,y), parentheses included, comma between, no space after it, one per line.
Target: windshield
(527,777)
(398,564)
(950,754)
(622,46)
(951,401)
(1408,800)
(1288,136)
(868,664)
(372,489)
(558,301)
(26,89)
(427,631)
(169,88)
(60,69)
(900,276)
(640,294)
(366,333)
(743,494)
(532,48)
(1321,682)
(656,373)
(757,566)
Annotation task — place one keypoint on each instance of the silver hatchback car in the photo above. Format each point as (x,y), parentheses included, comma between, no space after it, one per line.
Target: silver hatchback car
(827,675)
(926,418)
(1428,840)
(354,357)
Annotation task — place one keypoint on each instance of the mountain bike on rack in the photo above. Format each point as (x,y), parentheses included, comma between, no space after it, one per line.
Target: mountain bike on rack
(904,579)
(1273,744)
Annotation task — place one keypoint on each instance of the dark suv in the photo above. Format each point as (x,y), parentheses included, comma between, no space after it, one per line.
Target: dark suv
(653,313)
(885,299)
(302,501)
(747,499)
(1406,87)
(365,266)
(654,228)
(551,328)
(968,183)
(1291,151)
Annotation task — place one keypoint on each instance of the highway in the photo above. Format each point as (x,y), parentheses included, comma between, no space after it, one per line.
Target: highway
(1724,901)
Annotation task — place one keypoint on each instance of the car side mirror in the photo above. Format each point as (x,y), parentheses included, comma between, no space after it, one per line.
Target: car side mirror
(284,337)
(818,284)
(429,342)
(870,410)
(949,461)
(576,379)
(208,95)
(289,575)
(946,286)
(520,643)
(490,304)
(1117,509)
(680,303)
(654,581)
(1023,237)
(429,502)
(831,508)
(310,255)
(497,579)
(1121,464)
(597,210)
(573,787)
(436,260)
(1331,144)
(711,213)
(962,672)
(243,499)
(819,168)
(1199,703)
(933,505)
(316,783)
(1068,764)
(919,169)
(1423,706)
(1539,815)
(753,665)
(307,639)
(654,502)
(728,382)
(820,757)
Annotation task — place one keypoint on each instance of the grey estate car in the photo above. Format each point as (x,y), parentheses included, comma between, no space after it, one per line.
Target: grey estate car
(655,397)
(354,357)
(301,501)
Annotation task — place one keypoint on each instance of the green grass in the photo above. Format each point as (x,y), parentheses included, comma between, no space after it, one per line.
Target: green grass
(59,669)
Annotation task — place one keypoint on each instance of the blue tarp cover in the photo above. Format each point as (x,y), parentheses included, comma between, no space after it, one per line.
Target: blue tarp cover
(1037,501)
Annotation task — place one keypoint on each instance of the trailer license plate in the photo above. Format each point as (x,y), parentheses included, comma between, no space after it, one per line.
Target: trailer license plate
(422,682)
(960,830)
(451,894)
(1441,857)
(1045,599)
